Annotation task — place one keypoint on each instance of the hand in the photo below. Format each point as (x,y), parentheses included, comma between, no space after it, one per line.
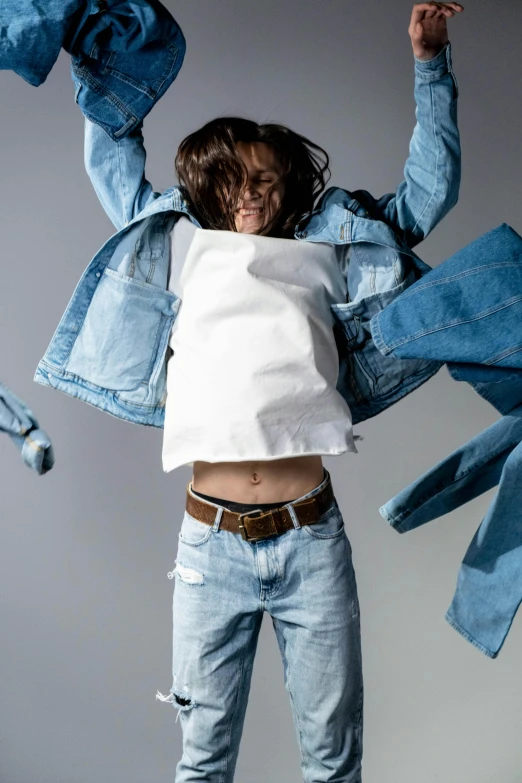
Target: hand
(427,30)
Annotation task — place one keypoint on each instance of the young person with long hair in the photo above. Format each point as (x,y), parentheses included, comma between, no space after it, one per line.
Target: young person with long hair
(252,405)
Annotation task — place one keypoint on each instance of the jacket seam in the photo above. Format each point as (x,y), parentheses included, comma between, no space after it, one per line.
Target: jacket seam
(451,324)
(121,185)
(101,90)
(460,275)
(33,443)
(436,137)
(503,355)
(82,383)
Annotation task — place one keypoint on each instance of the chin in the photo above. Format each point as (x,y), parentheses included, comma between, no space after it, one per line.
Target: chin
(251,229)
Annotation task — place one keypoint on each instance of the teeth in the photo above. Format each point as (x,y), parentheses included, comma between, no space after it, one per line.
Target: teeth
(251,211)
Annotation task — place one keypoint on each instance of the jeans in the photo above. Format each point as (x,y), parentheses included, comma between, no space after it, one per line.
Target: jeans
(468,313)
(489,582)
(124,53)
(305,580)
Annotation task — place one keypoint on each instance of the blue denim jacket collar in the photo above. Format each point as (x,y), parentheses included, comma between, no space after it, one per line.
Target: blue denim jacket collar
(171,200)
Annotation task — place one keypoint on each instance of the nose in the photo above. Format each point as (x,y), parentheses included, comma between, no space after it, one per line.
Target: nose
(251,190)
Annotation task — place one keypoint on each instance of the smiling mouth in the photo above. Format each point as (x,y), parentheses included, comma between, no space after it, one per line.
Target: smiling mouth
(250,212)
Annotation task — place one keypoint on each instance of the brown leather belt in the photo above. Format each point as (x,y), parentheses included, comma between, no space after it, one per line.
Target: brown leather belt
(256,525)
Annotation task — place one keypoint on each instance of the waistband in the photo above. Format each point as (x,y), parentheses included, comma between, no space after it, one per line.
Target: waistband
(258,523)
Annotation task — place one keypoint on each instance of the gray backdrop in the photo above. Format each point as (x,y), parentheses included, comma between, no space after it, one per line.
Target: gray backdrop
(85,598)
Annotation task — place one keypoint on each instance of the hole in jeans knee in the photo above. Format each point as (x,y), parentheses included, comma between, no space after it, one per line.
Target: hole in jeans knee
(181,701)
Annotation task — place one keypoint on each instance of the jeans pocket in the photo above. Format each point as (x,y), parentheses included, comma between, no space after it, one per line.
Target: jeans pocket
(194,532)
(330,525)
(148,72)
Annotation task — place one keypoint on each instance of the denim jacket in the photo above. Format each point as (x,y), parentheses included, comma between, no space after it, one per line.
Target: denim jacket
(468,313)
(125,53)
(110,347)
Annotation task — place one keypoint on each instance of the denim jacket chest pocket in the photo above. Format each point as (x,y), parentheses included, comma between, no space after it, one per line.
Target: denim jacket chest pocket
(130,301)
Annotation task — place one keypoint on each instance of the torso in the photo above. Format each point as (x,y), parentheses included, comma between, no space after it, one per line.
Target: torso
(266,481)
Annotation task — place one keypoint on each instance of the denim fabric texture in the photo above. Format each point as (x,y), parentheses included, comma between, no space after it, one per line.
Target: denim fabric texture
(110,347)
(124,53)
(468,312)
(32,34)
(18,421)
(223,586)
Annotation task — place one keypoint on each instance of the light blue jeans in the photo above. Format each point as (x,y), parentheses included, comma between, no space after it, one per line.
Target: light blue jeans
(305,580)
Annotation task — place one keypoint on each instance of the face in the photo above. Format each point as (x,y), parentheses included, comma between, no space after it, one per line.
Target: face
(263,170)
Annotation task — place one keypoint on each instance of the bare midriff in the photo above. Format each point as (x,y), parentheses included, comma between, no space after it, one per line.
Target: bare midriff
(266,481)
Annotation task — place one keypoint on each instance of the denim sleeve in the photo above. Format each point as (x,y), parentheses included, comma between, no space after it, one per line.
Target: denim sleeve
(19,422)
(433,169)
(117,172)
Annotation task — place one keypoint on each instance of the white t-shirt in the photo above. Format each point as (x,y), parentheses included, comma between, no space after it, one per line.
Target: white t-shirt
(254,366)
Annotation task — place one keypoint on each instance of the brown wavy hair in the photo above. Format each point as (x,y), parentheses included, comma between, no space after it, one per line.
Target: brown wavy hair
(213,176)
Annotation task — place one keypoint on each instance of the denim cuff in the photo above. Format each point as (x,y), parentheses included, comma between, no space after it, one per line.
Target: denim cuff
(37,451)
(429,70)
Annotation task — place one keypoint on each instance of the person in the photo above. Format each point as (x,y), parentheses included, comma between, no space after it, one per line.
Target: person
(251,404)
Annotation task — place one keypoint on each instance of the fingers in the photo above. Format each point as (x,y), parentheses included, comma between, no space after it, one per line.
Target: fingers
(430,10)
(438,6)
(448,9)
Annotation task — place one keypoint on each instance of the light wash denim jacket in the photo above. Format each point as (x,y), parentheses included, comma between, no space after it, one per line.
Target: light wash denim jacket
(110,347)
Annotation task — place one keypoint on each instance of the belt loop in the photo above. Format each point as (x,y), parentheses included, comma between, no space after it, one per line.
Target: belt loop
(293,515)
(217,521)
(316,491)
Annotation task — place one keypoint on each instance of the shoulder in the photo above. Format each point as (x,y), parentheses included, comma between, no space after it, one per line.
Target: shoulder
(330,211)
(360,202)
(172,199)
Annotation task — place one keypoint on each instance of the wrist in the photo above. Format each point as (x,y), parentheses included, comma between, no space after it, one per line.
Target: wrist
(425,55)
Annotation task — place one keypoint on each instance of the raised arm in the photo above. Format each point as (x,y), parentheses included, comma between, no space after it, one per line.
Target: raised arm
(432,171)
(117,172)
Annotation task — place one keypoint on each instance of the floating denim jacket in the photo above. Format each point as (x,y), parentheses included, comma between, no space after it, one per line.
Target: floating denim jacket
(125,53)
(110,347)
(18,421)
(468,312)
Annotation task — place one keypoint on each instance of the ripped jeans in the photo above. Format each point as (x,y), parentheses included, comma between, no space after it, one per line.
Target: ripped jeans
(305,580)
